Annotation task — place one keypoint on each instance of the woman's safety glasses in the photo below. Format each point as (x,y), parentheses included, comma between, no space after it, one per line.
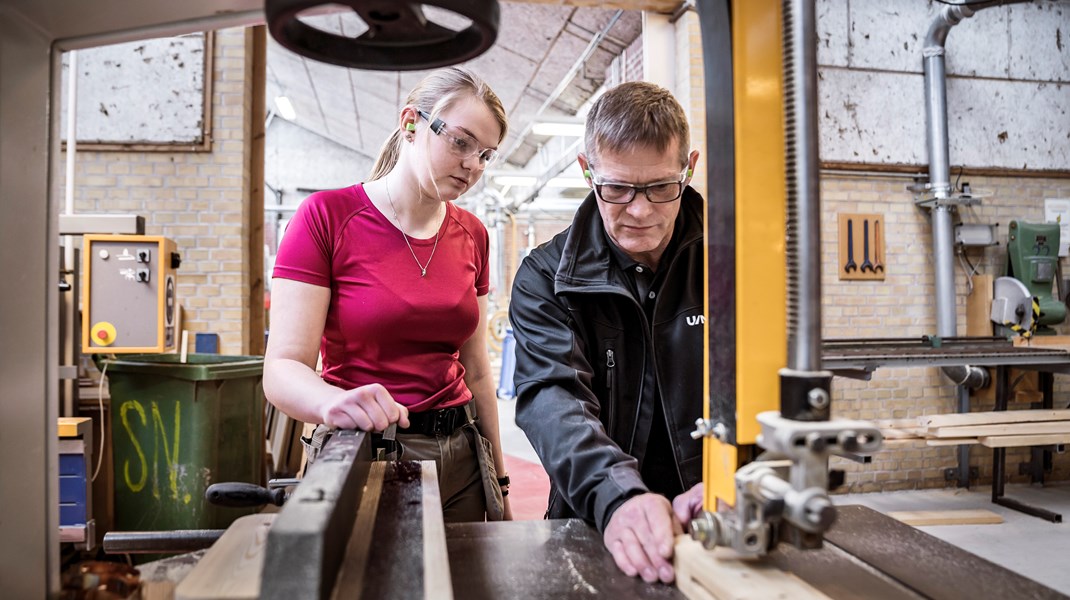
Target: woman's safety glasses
(461,145)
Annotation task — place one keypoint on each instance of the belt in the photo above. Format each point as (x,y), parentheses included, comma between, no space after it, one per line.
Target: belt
(436,422)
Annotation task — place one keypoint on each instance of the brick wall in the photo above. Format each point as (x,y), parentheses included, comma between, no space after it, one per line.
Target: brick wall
(903,305)
(195,198)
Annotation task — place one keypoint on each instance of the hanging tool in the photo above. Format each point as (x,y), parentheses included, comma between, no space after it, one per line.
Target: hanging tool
(866,265)
(850,266)
(877,264)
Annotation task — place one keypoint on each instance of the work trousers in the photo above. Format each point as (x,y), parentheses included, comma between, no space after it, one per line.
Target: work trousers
(459,480)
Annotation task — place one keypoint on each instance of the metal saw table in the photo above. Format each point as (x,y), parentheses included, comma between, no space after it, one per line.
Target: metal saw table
(353,530)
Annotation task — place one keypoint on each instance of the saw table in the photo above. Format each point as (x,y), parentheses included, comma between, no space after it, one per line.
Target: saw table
(361,529)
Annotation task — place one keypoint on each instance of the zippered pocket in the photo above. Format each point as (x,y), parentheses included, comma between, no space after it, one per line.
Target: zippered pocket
(611,383)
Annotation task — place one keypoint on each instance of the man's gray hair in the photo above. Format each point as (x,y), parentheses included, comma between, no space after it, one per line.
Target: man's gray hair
(636,114)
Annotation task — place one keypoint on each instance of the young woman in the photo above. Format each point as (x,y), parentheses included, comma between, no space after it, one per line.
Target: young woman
(387,281)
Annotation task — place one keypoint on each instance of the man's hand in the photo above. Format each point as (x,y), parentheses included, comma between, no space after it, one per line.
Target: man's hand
(687,505)
(640,537)
(368,408)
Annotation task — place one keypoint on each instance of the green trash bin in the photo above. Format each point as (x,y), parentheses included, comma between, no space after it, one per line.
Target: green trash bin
(178,428)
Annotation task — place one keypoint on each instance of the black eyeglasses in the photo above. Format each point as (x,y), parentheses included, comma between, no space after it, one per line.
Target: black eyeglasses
(461,145)
(660,192)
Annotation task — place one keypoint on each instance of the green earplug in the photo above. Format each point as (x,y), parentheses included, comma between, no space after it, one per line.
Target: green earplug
(410,126)
(587,173)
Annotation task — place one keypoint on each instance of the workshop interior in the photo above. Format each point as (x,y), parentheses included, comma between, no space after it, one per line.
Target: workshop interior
(887,222)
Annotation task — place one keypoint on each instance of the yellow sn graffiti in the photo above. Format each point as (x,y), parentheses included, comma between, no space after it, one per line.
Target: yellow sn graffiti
(160,438)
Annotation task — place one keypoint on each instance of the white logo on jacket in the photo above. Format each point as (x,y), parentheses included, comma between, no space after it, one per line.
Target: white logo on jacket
(696,320)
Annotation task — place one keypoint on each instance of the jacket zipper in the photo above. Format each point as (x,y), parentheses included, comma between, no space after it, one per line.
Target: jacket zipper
(611,362)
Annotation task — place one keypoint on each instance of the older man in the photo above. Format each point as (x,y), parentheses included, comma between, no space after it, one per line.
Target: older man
(608,323)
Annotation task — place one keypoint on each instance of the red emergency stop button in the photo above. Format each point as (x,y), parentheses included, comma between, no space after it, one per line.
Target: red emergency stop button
(103,333)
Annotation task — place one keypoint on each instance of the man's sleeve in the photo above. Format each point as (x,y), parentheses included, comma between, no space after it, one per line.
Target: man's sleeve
(556,406)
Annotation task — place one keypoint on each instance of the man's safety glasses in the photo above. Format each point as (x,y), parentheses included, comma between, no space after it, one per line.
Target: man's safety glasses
(461,145)
(613,192)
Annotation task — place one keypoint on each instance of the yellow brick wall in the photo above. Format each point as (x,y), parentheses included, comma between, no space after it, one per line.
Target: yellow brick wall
(903,306)
(195,198)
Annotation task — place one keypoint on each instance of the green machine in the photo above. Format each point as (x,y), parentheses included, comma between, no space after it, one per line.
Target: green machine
(1033,260)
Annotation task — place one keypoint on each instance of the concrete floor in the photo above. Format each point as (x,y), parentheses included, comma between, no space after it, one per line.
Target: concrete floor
(1035,548)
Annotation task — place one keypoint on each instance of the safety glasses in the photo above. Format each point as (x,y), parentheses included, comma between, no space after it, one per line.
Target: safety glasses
(460,144)
(659,192)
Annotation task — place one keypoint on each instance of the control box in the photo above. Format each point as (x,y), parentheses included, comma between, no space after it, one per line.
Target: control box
(129,301)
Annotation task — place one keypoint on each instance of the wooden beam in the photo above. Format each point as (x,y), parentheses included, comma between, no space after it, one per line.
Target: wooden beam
(255,120)
(994,417)
(721,574)
(1061,427)
(918,518)
(1015,441)
(951,442)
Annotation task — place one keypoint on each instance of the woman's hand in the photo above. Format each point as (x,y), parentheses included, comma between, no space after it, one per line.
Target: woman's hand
(368,408)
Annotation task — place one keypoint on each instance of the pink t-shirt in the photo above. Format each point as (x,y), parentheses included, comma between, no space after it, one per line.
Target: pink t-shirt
(386,324)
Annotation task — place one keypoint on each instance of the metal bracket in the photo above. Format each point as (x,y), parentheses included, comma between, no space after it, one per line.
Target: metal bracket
(952,474)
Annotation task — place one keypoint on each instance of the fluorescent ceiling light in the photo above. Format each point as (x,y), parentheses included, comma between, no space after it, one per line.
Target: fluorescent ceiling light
(285,108)
(567,182)
(517,180)
(558,128)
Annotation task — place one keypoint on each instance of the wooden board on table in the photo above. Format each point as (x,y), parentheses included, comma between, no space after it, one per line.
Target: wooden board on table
(979,307)
(951,441)
(230,570)
(994,417)
(1015,441)
(919,518)
(1044,427)
(720,574)
(1048,341)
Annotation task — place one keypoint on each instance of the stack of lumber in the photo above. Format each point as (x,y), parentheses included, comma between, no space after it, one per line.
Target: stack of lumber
(997,429)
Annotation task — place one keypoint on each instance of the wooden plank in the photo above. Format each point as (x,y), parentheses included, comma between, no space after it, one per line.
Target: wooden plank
(897,423)
(721,574)
(951,441)
(1002,429)
(1058,341)
(994,417)
(901,434)
(919,518)
(1014,441)
(979,307)
(253,186)
(350,579)
(230,570)
(437,582)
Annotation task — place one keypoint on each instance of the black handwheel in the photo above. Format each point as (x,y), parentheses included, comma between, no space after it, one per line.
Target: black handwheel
(399,36)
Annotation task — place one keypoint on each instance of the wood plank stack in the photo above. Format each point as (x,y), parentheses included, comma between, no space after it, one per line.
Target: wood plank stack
(996,429)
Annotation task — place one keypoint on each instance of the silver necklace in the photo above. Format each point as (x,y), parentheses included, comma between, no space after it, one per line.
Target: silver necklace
(423,267)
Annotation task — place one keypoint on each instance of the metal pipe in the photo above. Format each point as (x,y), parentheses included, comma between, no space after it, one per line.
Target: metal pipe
(803,193)
(936,142)
(160,542)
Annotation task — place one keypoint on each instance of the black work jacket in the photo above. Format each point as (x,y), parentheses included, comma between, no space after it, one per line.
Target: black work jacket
(583,344)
